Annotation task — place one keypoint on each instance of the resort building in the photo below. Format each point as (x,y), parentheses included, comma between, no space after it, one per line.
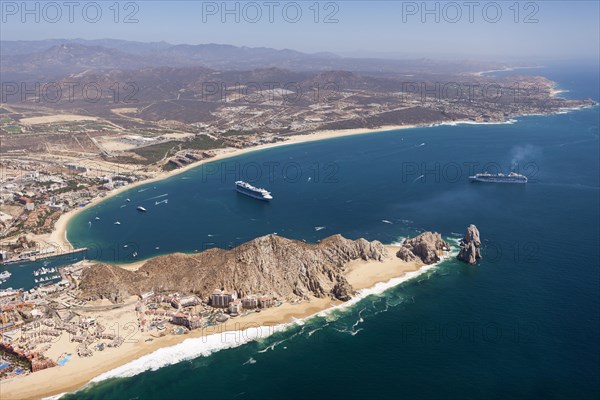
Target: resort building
(146,295)
(175,302)
(220,298)
(249,303)
(189,321)
(266,302)
(235,307)
(189,301)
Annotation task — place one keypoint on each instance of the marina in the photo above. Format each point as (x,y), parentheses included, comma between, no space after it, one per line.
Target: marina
(23,272)
(44,271)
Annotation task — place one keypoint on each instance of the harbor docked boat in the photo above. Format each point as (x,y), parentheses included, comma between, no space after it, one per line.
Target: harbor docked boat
(513,177)
(44,271)
(4,275)
(251,191)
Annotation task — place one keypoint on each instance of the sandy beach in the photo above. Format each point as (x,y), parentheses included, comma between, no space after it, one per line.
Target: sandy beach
(79,371)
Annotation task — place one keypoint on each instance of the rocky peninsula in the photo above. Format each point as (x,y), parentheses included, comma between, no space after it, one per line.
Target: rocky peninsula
(117,315)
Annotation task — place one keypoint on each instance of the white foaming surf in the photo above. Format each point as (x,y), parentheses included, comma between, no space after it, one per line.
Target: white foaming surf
(190,349)
(398,241)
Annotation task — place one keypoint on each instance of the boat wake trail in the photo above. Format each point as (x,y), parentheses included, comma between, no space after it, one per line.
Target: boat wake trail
(418,177)
(157,197)
(250,361)
(272,346)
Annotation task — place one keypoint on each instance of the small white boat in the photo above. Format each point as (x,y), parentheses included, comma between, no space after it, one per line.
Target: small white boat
(140,208)
(97,218)
(128,200)
(117,223)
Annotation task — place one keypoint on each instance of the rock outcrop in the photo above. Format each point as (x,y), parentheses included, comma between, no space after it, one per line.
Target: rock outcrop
(426,247)
(271,264)
(470,246)
(342,290)
(406,255)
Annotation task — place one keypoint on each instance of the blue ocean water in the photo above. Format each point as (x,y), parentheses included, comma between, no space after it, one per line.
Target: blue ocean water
(524,323)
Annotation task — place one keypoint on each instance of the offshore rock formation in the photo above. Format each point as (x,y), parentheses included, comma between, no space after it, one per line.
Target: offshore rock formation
(273,265)
(425,247)
(470,246)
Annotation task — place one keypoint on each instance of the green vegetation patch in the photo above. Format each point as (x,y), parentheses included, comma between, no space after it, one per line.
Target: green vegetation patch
(12,129)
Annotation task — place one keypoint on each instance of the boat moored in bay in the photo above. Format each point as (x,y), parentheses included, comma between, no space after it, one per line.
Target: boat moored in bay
(513,177)
(251,191)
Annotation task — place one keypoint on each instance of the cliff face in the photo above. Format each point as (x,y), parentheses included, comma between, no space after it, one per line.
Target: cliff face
(270,265)
(425,247)
(470,246)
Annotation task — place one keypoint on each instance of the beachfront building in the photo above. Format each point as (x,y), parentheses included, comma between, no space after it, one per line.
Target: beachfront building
(220,298)
(235,307)
(266,302)
(189,321)
(249,303)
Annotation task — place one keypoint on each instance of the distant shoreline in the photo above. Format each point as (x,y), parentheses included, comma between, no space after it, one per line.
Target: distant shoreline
(507,69)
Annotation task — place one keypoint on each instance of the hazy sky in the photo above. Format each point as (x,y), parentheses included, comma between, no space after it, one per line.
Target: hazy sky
(556,29)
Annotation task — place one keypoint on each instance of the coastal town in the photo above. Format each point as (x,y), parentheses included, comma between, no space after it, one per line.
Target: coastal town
(48,325)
